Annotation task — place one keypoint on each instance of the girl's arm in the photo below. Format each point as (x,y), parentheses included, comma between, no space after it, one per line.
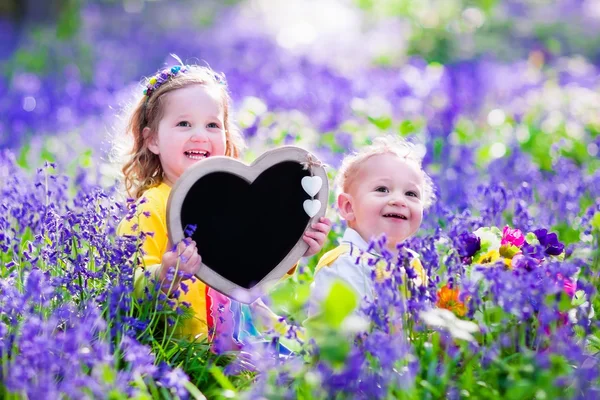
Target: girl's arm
(157,258)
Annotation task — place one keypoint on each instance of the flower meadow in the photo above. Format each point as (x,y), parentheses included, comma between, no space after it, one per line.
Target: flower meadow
(511,247)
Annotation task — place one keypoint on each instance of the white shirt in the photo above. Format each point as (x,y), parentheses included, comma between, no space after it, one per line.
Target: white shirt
(355,275)
(345,269)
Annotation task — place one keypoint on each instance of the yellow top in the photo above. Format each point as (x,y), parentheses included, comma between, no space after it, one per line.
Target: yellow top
(152,217)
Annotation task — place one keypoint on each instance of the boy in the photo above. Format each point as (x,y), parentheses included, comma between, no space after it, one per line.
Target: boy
(383,190)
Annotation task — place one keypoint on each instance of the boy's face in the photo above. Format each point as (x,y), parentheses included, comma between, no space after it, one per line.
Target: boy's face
(385,196)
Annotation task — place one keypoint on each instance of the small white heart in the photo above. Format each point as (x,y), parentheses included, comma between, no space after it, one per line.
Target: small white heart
(312,184)
(312,207)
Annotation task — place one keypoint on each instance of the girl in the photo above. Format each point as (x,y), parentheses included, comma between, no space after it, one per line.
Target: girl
(184,116)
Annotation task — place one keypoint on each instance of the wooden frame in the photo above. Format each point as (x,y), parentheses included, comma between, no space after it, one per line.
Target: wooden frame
(248,173)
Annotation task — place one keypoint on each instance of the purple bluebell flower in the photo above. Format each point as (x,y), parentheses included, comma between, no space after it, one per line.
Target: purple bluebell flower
(190,229)
(526,262)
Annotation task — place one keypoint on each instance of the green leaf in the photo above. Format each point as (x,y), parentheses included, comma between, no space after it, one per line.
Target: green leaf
(47,155)
(593,345)
(334,350)
(115,394)
(289,297)
(23,155)
(596,221)
(521,389)
(69,21)
(340,302)
(194,391)
(532,239)
(142,396)
(566,233)
(85,160)
(329,140)
(27,237)
(32,61)
(508,250)
(430,388)
(407,127)
(564,304)
(109,376)
(365,4)
(220,377)
(438,147)
(383,123)
(578,299)
(494,314)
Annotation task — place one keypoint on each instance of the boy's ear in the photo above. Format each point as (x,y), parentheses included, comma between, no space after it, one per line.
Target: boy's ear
(151,140)
(344,203)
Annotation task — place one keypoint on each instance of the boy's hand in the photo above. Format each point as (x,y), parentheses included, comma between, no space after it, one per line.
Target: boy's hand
(189,264)
(315,236)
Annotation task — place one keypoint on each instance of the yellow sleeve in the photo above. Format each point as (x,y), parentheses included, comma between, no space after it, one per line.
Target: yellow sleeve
(332,255)
(151,221)
(422,278)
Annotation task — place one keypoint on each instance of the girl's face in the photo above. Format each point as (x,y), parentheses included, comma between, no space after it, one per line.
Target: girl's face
(192,128)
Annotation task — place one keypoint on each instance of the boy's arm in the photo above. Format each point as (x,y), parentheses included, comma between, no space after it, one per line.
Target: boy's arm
(315,237)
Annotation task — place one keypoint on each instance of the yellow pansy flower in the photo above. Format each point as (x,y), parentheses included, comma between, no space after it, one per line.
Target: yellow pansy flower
(488,258)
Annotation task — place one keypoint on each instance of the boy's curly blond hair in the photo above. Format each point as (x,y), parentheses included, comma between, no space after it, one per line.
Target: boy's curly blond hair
(384,145)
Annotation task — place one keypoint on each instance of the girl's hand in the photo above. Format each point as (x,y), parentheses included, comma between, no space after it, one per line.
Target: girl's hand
(189,260)
(315,236)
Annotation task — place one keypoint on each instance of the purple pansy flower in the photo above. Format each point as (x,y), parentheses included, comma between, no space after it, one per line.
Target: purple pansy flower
(468,244)
(549,241)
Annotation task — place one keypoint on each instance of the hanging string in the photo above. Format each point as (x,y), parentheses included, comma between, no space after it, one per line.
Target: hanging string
(311,162)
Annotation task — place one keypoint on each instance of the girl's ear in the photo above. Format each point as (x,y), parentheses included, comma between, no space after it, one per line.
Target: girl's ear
(151,140)
(344,203)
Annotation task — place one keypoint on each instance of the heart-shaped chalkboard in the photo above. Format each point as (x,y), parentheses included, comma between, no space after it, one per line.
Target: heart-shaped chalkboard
(249,218)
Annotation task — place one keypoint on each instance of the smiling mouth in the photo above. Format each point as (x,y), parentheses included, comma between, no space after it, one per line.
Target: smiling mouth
(197,154)
(395,216)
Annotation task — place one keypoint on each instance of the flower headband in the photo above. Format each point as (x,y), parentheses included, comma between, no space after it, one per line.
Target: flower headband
(157,80)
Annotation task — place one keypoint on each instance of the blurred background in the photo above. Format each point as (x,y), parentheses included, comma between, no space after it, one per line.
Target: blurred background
(493,91)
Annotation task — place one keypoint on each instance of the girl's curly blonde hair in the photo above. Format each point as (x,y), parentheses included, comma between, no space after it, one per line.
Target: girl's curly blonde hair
(351,164)
(143,169)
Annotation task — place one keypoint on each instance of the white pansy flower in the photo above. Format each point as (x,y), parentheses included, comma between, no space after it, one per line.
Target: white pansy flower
(492,237)
(446,320)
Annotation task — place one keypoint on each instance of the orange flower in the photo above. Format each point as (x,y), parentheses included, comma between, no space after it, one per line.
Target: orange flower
(448,299)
